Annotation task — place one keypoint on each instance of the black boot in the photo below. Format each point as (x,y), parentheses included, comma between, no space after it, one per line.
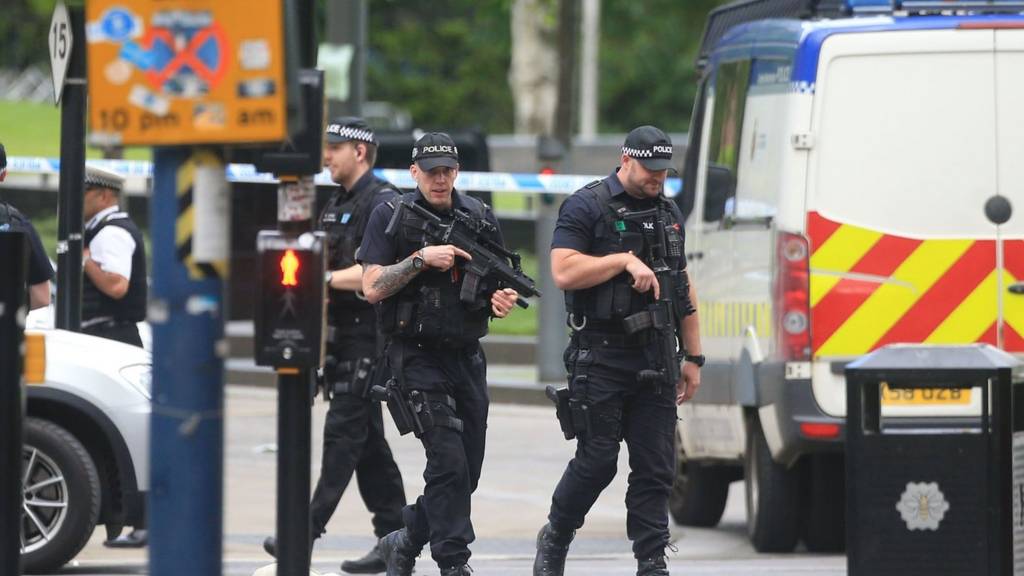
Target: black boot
(372,563)
(270,546)
(463,570)
(399,553)
(552,548)
(652,567)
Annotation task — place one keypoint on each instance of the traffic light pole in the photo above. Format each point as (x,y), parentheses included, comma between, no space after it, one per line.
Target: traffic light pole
(296,198)
(14,255)
(190,228)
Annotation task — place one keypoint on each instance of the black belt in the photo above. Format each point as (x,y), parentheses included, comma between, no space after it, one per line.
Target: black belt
(593,338)
(453,344)
(106,325)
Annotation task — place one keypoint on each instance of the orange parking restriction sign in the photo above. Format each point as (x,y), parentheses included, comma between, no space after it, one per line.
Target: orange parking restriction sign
(186,72)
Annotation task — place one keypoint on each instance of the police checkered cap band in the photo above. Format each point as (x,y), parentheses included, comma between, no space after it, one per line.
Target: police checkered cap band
(638,153)
(100,178)
(350,133)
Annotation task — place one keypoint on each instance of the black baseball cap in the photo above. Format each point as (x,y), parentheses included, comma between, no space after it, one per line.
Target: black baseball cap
(435,149)
(345,128)
(650,146)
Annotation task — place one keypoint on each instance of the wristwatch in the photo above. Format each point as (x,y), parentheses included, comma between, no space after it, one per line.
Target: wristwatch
(417,260)
(697,359)
(327,277)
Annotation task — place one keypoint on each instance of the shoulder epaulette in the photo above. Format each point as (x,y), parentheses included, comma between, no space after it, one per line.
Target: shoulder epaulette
(593,184)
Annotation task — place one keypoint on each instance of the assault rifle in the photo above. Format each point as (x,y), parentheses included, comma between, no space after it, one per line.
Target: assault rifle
(663,314)
(489,259)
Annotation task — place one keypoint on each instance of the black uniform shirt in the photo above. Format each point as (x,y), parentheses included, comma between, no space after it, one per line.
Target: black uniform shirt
(39,268)
(377,248)
(582,223)
(338,214)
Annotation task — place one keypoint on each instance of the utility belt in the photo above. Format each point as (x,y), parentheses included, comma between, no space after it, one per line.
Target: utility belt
(594,339)
(415,411)
(94,325)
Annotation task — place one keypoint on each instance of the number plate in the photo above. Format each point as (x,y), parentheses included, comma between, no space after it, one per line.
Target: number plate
(911,396)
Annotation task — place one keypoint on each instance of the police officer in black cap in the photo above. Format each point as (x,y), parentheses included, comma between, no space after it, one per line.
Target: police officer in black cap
(40,272)
(603,254)
(354,430)
(434,352)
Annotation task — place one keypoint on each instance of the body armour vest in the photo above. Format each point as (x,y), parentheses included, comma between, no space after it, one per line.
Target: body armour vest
(344,220)
(428,307)
(132,307)
(628,226)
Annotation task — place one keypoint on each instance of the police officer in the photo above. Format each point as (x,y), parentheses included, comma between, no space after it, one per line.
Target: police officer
(40,272)
(602,253)
(114,278)
(434,353)
(113,262)
(354,430)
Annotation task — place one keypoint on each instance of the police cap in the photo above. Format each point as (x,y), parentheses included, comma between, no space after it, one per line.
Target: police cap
(650,146)
(435,149)
(96,177)
(345,128)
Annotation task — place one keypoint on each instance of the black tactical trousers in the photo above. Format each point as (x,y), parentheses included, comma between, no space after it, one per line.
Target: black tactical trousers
(354,442)
(606,378)
(441,515)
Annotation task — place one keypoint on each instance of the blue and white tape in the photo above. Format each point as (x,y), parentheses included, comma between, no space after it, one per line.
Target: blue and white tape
(522,183)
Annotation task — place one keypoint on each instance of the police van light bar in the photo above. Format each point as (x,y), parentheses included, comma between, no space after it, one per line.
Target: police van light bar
(868,7)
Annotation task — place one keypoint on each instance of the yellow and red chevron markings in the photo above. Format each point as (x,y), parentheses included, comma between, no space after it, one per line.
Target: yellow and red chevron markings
(869,289)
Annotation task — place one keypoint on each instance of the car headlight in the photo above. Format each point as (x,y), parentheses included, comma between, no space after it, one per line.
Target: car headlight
(139,376)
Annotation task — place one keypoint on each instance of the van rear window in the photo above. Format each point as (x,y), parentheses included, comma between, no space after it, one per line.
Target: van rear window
(905,142)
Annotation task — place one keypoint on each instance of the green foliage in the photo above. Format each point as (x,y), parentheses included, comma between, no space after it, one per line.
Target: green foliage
(31,129)
(446,61)
(23,29)
(647,56)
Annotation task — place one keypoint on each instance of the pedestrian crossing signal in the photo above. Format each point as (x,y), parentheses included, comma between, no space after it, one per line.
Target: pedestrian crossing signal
(291,300)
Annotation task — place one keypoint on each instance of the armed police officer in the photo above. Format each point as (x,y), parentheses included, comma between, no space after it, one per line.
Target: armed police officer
(617,251)
(354,429)
(40,272)
(434,352)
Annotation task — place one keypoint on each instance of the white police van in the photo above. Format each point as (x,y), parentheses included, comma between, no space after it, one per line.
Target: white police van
(841,158)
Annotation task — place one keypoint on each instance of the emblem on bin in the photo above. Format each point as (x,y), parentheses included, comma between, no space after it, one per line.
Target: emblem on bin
(922,505)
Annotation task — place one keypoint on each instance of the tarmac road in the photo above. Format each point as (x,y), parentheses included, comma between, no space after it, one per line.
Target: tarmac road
(525,458)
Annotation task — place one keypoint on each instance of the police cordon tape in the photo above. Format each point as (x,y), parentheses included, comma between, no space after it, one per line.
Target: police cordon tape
(522,183)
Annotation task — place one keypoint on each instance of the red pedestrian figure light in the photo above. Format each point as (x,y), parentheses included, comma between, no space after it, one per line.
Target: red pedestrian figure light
(289,266)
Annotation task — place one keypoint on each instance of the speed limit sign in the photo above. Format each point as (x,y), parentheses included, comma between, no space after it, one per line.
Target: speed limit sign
(59,41)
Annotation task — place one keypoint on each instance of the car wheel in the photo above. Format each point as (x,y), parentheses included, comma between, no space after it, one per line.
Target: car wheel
(773,497)
(824,506)
(61,497)
(699,492)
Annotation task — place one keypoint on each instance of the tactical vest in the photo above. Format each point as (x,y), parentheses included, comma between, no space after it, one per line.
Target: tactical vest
(605,306)
(428,308)
(344,220)
(132,307)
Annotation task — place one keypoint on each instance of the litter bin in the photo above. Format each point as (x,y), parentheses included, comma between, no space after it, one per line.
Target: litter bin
(930,483)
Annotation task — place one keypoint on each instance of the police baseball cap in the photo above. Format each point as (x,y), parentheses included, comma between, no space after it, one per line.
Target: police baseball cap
(435,149)
(345,128)
(96,177)
(650,146)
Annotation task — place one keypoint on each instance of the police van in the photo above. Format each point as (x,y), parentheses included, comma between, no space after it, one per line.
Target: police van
(848,164)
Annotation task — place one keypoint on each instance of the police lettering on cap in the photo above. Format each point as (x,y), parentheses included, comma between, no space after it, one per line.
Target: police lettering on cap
(650,146)
(435,149)
(345,128)
(96,177)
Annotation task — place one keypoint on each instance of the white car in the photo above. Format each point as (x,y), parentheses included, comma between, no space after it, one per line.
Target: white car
(86,445)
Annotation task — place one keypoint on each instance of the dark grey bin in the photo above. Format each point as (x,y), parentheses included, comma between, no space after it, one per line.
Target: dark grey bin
(935,495)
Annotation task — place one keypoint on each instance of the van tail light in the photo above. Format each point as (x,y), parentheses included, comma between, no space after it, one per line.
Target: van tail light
(791,305)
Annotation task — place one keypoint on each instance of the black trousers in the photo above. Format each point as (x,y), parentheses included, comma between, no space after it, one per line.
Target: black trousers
(606,378)
(354,442)
(127,332)
(441,516)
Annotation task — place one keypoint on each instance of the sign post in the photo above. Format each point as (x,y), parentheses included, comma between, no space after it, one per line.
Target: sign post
(60,41)
(188,77)
(14,255)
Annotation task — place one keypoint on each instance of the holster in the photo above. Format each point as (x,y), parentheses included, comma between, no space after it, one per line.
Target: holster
(560,398)
(359,375)
(412,410)
(400,410)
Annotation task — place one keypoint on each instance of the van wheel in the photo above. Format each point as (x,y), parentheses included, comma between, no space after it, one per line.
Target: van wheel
(773,497)
(824,506)
(699,492)
(61,497)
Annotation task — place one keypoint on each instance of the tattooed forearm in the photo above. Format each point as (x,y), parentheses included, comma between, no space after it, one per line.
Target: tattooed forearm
(393,278)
